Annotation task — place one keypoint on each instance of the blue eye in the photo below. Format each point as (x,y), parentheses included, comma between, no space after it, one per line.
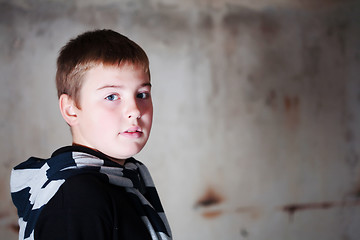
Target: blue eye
(143,95)
(112,97)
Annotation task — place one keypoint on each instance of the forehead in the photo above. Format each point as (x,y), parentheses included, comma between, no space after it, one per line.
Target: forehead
(115,74)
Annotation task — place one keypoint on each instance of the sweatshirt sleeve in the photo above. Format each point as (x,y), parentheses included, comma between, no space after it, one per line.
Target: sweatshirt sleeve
(81,209)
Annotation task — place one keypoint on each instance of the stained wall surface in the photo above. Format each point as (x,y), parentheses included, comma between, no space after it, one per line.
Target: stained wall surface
(257,109)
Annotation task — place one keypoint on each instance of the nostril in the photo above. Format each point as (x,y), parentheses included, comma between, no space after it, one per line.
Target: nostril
(137,116)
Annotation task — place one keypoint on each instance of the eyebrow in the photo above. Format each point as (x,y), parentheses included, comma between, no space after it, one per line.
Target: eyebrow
(121,86)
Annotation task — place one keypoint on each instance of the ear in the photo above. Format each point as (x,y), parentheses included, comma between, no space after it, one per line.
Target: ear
(68,109)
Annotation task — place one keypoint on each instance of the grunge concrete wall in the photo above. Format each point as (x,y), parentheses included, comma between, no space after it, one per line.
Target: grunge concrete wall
(257,108)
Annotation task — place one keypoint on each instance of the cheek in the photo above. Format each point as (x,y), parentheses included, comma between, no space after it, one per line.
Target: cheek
(148,118)
(101,120)
(148,109)
(148,114)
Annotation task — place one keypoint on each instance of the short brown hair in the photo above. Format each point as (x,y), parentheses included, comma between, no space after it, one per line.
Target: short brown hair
(91,49)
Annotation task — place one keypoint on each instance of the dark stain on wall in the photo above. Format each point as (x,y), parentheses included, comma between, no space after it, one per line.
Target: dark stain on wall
(205,21)
(291,103)
(349,136)
(271,99)
(207,201)
(291,209)
(14,227)
(311,59)
(244,233)
(252,211)
(237,18)
(338,31)
(352,158)
(3,215)
(269,27)
(211,197)
(212,214)
(355,193)
(292,110)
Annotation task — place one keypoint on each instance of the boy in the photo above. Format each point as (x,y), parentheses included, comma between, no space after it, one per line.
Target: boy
(94,189)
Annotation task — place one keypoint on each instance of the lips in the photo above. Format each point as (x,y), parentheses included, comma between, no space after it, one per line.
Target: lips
(134,129)
(133,132)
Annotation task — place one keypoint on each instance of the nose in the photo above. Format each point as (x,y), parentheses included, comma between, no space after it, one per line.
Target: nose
(133,110)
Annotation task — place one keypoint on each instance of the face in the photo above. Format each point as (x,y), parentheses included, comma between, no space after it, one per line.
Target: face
(115,113)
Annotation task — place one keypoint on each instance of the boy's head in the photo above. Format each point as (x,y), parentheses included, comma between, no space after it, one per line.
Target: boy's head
(103,83)
(91,49)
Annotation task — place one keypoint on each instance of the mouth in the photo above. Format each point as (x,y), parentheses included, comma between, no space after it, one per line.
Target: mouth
(133,132)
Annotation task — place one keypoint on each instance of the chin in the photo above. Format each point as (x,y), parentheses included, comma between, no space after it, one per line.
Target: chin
(125,155)
(123,150)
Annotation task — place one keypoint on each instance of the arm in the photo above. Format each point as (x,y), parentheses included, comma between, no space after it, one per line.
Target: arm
(80,210)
